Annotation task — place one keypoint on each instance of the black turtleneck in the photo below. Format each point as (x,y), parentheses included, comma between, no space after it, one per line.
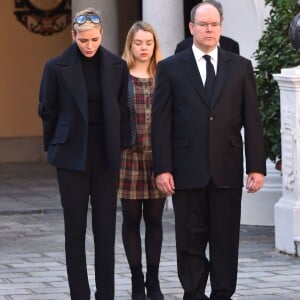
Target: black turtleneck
(91,72)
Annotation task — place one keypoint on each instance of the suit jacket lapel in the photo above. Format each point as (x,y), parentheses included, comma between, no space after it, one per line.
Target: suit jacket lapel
(71,69)
(189,66)
(222,75)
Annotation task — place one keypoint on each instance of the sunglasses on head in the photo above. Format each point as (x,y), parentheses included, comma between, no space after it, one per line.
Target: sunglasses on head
(83,18)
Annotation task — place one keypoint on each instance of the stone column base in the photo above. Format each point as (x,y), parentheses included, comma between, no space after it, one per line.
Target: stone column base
(287,225)
(21,149)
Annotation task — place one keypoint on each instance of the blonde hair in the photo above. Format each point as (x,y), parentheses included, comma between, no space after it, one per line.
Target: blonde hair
(128,55)
(88,24)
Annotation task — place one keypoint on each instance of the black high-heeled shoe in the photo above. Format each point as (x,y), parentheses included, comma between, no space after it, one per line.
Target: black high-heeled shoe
(138,284)
(152,284)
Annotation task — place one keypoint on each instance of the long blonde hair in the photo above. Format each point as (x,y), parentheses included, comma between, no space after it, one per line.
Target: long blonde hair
(128,55)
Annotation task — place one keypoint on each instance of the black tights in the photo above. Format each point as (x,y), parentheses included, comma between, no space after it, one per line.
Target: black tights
(152,210)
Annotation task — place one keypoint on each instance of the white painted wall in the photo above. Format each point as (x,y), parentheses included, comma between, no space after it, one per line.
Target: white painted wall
(244,22)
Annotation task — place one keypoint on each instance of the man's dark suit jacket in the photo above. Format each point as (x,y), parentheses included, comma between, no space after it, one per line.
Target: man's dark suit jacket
(196,141)
(226,43)
(64,111)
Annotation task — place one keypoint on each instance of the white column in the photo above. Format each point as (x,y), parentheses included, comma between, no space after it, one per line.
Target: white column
(167,19)
(109,13)
(287,209)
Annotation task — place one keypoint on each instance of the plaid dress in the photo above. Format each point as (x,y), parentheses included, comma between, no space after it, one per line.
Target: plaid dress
(136,175)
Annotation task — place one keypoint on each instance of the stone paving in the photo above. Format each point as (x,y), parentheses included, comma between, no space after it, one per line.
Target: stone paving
(32,264)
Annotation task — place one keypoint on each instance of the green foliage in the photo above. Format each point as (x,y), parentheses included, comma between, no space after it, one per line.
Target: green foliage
(274,52)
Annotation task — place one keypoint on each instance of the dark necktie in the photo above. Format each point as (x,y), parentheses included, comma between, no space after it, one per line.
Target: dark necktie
(210,77)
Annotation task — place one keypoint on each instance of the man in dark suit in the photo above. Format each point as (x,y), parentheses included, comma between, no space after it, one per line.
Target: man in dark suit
(198,152)
(83,97)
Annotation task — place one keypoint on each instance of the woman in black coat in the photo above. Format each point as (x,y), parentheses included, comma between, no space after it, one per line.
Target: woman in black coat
(83,98)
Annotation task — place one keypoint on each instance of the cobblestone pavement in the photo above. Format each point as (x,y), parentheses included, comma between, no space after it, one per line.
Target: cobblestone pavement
(32,264)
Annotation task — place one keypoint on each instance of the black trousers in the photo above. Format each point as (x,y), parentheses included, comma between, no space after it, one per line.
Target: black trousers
(99,185)
(207,216)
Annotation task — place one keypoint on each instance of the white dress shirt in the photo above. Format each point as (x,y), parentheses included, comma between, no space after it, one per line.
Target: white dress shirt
(201,62)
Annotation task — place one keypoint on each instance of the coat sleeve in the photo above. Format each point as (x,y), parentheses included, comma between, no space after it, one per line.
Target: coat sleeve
(48,103)
(161,131)
(253,131)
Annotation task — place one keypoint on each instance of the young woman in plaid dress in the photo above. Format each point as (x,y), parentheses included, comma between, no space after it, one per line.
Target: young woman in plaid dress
(137,190)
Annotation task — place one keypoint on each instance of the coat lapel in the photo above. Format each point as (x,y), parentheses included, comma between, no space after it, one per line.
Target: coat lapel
(71,69)
(106,77)
(109,74)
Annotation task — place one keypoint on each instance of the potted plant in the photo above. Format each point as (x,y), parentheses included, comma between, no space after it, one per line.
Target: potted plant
(274,52)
